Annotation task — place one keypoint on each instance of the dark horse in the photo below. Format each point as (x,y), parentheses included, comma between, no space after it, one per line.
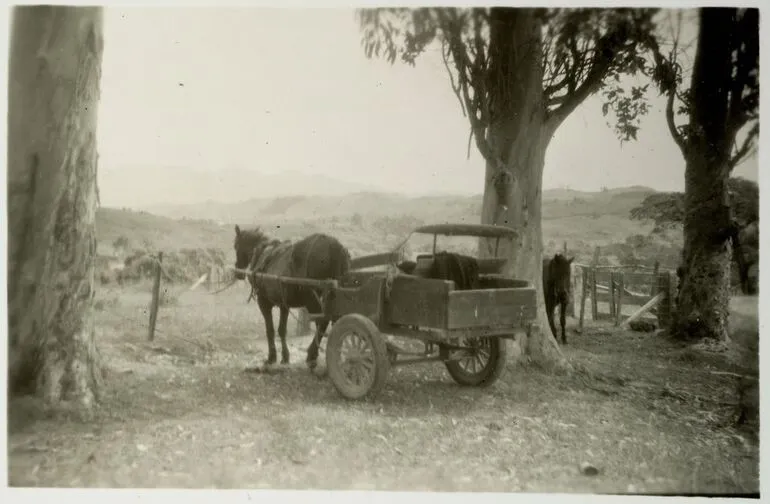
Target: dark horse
(318,256)
(556,288)
(462,270)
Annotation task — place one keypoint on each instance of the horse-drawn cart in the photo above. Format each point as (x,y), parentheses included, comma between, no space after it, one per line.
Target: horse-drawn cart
(378,303)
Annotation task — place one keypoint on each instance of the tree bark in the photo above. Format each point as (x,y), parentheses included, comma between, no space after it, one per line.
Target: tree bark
(705,289)
(55,66)
(519,135)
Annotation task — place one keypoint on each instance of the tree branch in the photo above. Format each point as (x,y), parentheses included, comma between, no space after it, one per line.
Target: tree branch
(746,149)
(467,79)
(455,86)
(590,85)
(678,138)
(746,32)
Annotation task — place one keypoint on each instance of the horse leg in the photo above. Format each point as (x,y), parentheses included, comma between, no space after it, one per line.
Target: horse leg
(267,313)
(312,350)
(283,318)
(562,321)
(549,308)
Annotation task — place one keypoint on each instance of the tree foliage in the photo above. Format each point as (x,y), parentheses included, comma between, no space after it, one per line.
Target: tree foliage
(738,98)
(583,51)
(667,209)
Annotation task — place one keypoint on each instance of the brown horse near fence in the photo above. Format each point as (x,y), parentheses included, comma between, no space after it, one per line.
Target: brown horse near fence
(556,289)
(318,257)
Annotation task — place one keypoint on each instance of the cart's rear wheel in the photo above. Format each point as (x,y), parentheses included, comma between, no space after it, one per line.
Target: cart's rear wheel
(484,363)
(356,357)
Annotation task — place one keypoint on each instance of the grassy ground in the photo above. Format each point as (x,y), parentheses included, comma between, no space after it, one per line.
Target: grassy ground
(651,416)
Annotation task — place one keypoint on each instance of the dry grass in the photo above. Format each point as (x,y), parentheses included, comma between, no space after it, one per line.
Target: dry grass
(179,412)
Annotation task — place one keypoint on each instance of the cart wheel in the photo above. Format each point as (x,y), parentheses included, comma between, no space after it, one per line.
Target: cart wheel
(356,357)
(483,366)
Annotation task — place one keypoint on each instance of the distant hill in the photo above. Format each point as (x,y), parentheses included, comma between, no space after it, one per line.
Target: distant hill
(365,221)
(556,203)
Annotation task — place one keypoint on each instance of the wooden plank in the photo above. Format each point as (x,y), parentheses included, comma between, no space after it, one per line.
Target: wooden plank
(491,308)
(155,297)
(361,277)
(644,309)
(418,301)
(637,278)
(604,277)
(501,282)
(634,300)
(370,261)
(363,299)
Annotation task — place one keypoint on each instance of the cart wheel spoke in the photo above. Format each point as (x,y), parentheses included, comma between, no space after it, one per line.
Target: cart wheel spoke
(367,363)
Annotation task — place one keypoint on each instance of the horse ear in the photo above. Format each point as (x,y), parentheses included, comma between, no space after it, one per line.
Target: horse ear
(237,230)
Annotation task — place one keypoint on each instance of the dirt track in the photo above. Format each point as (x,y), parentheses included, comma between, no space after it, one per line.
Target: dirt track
(181,413)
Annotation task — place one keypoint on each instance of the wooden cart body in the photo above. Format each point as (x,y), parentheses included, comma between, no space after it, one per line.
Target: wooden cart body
(378,300)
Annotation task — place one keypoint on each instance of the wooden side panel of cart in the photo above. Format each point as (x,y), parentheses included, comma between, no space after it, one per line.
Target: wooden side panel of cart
(416,301)
(491,308)
(366,298)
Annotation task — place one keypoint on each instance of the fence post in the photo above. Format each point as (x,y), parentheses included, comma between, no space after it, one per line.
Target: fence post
(619,304)
(665,308)
(155,297)
(584,289)
(612,291)
(210,279)
(594,302)
(655,271)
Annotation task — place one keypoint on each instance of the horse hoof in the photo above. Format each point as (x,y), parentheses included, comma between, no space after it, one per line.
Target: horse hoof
(312,364)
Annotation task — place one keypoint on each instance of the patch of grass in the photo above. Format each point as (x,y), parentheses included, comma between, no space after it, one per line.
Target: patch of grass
(180,412)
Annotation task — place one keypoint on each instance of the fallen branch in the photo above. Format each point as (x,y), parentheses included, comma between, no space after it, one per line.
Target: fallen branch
(200,281)
(641,311)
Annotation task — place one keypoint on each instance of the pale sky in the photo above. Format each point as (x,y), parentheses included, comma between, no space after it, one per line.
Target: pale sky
(273,89)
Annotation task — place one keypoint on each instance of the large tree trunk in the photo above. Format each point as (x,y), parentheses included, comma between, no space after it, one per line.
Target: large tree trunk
(55,66)
(519,136)
(705,291)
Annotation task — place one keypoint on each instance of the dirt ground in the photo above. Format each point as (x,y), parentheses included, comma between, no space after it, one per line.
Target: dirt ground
(650,415)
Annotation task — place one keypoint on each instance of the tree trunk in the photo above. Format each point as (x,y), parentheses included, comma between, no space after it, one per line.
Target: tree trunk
(55,66)
(705,289)
(520,136)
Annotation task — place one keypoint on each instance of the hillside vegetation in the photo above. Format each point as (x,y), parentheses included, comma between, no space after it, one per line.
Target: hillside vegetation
(368,222)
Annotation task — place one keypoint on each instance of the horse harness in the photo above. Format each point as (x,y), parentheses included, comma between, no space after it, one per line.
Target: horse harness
(263,256)
(261,259)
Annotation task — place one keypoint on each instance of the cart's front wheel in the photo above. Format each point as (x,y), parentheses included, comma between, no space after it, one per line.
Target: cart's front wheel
(482,363)
(356,357)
